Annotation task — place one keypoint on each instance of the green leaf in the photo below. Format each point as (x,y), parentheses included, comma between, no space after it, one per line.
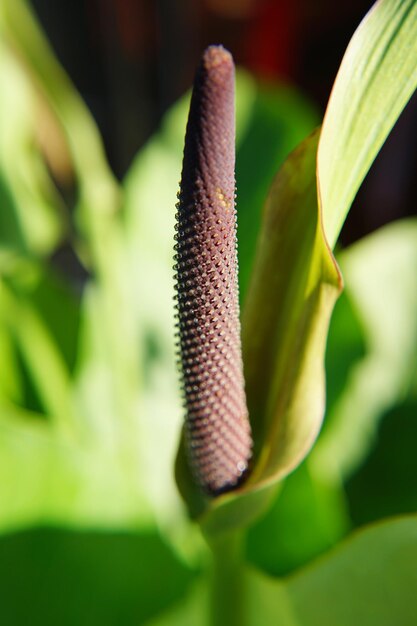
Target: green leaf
(310,513)
(286,318)
(51,576)
(346,346)
(380,264)
(193,610)
(369,579)
(46,477)
(308,517)
(23,35)
(371,339)
(11,384)
(98,204)
(384,485)
(31,218)
(29,311)
(377,77)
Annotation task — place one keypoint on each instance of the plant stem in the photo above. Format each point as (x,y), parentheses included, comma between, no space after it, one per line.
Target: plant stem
(227,583)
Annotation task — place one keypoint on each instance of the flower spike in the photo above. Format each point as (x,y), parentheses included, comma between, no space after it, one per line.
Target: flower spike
(218,435)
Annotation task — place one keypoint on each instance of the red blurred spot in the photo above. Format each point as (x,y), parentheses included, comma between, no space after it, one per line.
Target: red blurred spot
(270,47)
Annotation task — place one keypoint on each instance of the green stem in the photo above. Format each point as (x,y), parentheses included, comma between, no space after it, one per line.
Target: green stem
(228,583)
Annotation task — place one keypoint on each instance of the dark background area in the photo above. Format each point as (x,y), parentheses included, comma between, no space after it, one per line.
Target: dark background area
(131,59)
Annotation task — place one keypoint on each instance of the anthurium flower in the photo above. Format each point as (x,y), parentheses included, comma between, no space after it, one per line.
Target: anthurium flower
(217,443)
(217,426)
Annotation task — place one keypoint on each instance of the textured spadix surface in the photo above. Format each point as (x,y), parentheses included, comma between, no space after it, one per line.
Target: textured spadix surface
(218,437)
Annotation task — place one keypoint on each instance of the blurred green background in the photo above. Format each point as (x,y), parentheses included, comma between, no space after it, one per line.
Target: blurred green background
(93,530)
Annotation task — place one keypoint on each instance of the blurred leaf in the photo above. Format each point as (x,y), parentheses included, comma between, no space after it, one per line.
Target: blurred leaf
(286,318)
(265,602)
(308,517)
(107,392)
(99,195)
(45,477)
(193,610)
(385,484)
(309,514)
(22,33)
(44,362)
(31,218)
(377,77)
(58,305)
(51,577)
(382,263)
(83,460)
(369,579)
(10,377)
(148,247)
(346,345)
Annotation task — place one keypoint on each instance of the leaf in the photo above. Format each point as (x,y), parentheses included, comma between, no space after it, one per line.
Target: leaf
(377,77)
(370,579)
(286,318)
(308,517)
(88,472)
(52,576)
(98,205)
(11,384)
(23,35)
(45,477)
(191,611)
(31,219)
(346,346)
(380,264)
(28,311)
(371,362)
(384,485)
(310,513)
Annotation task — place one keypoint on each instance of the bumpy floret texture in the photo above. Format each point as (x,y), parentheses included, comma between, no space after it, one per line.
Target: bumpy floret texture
(218,436)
